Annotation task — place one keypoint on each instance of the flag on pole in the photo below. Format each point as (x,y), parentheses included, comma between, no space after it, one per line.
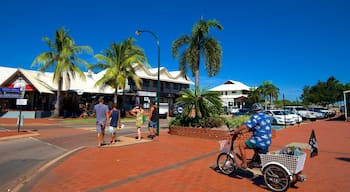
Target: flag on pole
(313,144)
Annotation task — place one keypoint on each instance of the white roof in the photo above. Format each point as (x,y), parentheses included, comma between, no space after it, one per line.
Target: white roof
(5,73)
(231,85)
(43,82)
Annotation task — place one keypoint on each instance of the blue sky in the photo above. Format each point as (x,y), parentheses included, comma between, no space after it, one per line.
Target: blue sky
(291,43)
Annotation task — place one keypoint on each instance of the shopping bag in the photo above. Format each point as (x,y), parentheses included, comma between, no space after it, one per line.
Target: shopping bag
(144,118)
(111,129)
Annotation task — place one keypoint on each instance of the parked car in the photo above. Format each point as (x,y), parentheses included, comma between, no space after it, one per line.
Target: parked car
(296,116)
(303,112)
(233,110)
(243,111)
(320,114)
(326,112)
(163,110)
(280,117)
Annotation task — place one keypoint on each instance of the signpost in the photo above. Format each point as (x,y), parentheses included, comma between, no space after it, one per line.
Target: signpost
(20,102)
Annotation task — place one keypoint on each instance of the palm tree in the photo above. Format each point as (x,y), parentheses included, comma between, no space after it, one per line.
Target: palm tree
(118,61)
(63,57)
(197,45)
(254,96)
(268,90)
(205,103)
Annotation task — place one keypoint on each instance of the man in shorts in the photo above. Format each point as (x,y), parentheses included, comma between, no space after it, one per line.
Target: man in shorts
(101,111)
(153,119)
(260,124)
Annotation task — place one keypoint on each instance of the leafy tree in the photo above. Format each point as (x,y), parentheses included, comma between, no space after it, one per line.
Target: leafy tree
(197,45)
(118,62)
(323,93)
(63,57)
(205,103)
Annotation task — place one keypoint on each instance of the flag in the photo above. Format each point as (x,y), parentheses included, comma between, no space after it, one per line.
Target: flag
(313,144)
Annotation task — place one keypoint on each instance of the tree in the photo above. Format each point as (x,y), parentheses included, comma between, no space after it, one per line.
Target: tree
(63,57)
(254,96)
(118,62)
(268,91)
(205,103)
(197,45)
(323,93)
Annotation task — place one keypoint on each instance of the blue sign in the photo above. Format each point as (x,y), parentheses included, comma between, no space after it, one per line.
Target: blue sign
(9,93)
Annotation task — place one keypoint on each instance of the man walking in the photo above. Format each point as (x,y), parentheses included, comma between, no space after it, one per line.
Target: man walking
(153,119)
(101,111)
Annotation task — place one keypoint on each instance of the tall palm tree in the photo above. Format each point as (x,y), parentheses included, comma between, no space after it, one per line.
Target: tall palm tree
(206,103)
(63,57)
(197,45)
(118,61)
(268,91)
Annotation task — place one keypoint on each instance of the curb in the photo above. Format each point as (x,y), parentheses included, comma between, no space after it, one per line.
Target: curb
(44,167)
(31,134)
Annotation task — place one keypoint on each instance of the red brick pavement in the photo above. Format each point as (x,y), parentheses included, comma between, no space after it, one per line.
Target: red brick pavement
(180,164)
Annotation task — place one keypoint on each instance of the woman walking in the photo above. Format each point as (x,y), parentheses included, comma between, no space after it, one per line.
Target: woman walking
(138,112)
(114,115)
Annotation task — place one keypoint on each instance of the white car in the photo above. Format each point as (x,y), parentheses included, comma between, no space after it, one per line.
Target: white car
(296,116)
(234,110)
(280,117)
(303,112)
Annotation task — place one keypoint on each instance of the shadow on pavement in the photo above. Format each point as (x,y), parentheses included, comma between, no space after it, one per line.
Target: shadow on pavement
(347,159)
(257,180)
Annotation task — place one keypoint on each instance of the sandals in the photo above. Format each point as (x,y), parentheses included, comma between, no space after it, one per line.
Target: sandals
(244,166)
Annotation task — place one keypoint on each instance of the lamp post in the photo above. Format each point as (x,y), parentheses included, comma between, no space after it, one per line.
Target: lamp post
(138,32)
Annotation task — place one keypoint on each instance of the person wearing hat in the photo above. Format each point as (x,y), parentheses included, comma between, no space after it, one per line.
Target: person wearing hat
(101,110)
(261,139)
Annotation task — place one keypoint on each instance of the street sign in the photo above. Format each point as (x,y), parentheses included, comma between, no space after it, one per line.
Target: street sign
(21,101)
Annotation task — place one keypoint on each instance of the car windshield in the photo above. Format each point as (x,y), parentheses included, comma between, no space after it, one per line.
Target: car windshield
(278,112)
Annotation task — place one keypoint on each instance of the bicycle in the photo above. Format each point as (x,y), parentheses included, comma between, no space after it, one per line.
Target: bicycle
(279,171)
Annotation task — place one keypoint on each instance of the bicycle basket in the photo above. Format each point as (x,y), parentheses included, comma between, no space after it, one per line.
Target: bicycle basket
(294,163)
(225,145)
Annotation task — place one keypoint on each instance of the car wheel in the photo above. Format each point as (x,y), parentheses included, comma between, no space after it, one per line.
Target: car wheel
(274,122)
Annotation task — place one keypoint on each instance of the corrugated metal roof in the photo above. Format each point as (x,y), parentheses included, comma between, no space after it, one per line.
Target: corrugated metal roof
(43,82)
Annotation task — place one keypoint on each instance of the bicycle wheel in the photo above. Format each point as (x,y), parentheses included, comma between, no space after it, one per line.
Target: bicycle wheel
(276,178)
(226,163)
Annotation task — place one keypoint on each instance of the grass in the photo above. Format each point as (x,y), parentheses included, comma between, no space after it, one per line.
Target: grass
(91,120)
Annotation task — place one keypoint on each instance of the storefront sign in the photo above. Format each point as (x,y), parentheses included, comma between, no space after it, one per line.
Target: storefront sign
(10,93)
(21,101)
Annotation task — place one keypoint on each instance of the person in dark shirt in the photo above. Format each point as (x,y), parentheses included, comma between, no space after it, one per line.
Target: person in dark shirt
(114,115)
(153,119)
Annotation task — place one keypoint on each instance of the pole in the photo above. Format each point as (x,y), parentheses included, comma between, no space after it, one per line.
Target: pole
(138,32)
(19,118)
(284,112)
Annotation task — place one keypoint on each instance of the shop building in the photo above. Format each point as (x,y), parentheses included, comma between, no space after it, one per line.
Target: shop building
(40,90)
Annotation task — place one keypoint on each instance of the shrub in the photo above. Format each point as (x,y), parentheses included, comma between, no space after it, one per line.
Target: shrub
(237,121)
(188,121)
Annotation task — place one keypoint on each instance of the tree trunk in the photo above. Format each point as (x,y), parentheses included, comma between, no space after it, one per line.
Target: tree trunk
(56,112)
(116,96)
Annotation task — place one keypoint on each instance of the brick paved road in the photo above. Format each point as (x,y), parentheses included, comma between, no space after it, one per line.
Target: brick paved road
(174,163)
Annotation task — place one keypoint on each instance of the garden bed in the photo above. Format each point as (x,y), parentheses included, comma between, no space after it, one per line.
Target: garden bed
(206,133)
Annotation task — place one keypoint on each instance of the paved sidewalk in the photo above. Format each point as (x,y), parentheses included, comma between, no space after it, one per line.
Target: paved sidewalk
(183,164)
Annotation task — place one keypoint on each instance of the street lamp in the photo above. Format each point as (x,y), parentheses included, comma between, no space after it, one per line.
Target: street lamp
(138,32)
